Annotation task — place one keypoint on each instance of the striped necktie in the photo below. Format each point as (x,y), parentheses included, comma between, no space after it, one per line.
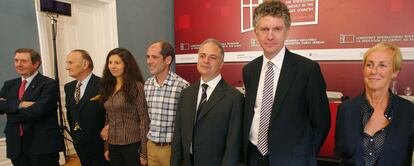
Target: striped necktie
(267,103)
(203,99)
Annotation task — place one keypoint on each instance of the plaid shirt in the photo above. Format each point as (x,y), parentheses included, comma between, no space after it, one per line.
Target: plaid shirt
(162,104)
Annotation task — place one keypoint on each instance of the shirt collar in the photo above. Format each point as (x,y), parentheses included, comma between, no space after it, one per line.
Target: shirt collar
(167,81)
(30,79)
(276,60)
(389,110)
(86,80)
(212,83)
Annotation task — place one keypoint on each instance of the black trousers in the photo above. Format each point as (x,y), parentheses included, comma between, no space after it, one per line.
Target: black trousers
(255,158)
(125,155)
(90,155)
(51,159)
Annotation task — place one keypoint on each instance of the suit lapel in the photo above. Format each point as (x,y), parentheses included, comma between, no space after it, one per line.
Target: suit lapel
(254,82)
(193,103)
(33,85)
(88,94)
(359,128)
(392,128)
(70,99)
(216,95)
(15,88)
(192,106)
(285,80)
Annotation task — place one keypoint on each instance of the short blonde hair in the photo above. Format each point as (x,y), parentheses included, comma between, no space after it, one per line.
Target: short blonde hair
(396,54)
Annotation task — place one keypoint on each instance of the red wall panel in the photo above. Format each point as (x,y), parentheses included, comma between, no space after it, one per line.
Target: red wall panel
(345,77)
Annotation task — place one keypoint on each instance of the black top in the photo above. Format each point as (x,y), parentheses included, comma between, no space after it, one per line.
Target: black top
(373,145)
(392,146)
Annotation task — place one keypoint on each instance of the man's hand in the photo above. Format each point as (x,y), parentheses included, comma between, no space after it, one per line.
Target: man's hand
(104,132)
(25,104)
(143,161)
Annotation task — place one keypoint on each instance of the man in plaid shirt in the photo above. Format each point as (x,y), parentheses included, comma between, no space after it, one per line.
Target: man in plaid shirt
(162,92)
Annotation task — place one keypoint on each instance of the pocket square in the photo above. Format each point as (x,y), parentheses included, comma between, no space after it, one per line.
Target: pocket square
(97,97)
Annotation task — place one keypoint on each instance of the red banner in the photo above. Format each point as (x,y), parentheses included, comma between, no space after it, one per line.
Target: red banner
(321,29)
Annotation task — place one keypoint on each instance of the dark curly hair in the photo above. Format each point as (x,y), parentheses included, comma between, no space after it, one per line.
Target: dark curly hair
(132,74)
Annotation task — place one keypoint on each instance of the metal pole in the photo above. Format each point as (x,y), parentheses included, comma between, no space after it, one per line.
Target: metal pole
(53,22)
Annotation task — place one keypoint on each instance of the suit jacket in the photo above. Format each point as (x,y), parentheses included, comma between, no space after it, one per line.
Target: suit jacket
(398,145)
(39,121)
(89,113)
(217,132)
(300,118)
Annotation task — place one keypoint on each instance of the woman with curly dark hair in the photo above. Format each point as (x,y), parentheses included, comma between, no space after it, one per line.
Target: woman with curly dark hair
(126,111)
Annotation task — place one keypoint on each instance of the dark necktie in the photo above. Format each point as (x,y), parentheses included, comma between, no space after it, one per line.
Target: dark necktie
(21,93)
(77,92)
(200,106)
(267,103)
(203,99)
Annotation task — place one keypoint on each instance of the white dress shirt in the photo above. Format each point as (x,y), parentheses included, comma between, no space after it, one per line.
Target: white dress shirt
(29,79)
(83,86)
(211,85)
(277,67)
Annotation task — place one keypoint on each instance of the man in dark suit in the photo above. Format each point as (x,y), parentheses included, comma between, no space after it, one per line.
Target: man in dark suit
(287,113)
(209,115)
(86,115)
(30,102)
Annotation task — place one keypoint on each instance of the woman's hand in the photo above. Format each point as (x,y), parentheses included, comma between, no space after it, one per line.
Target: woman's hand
(106,154)
(104,132)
